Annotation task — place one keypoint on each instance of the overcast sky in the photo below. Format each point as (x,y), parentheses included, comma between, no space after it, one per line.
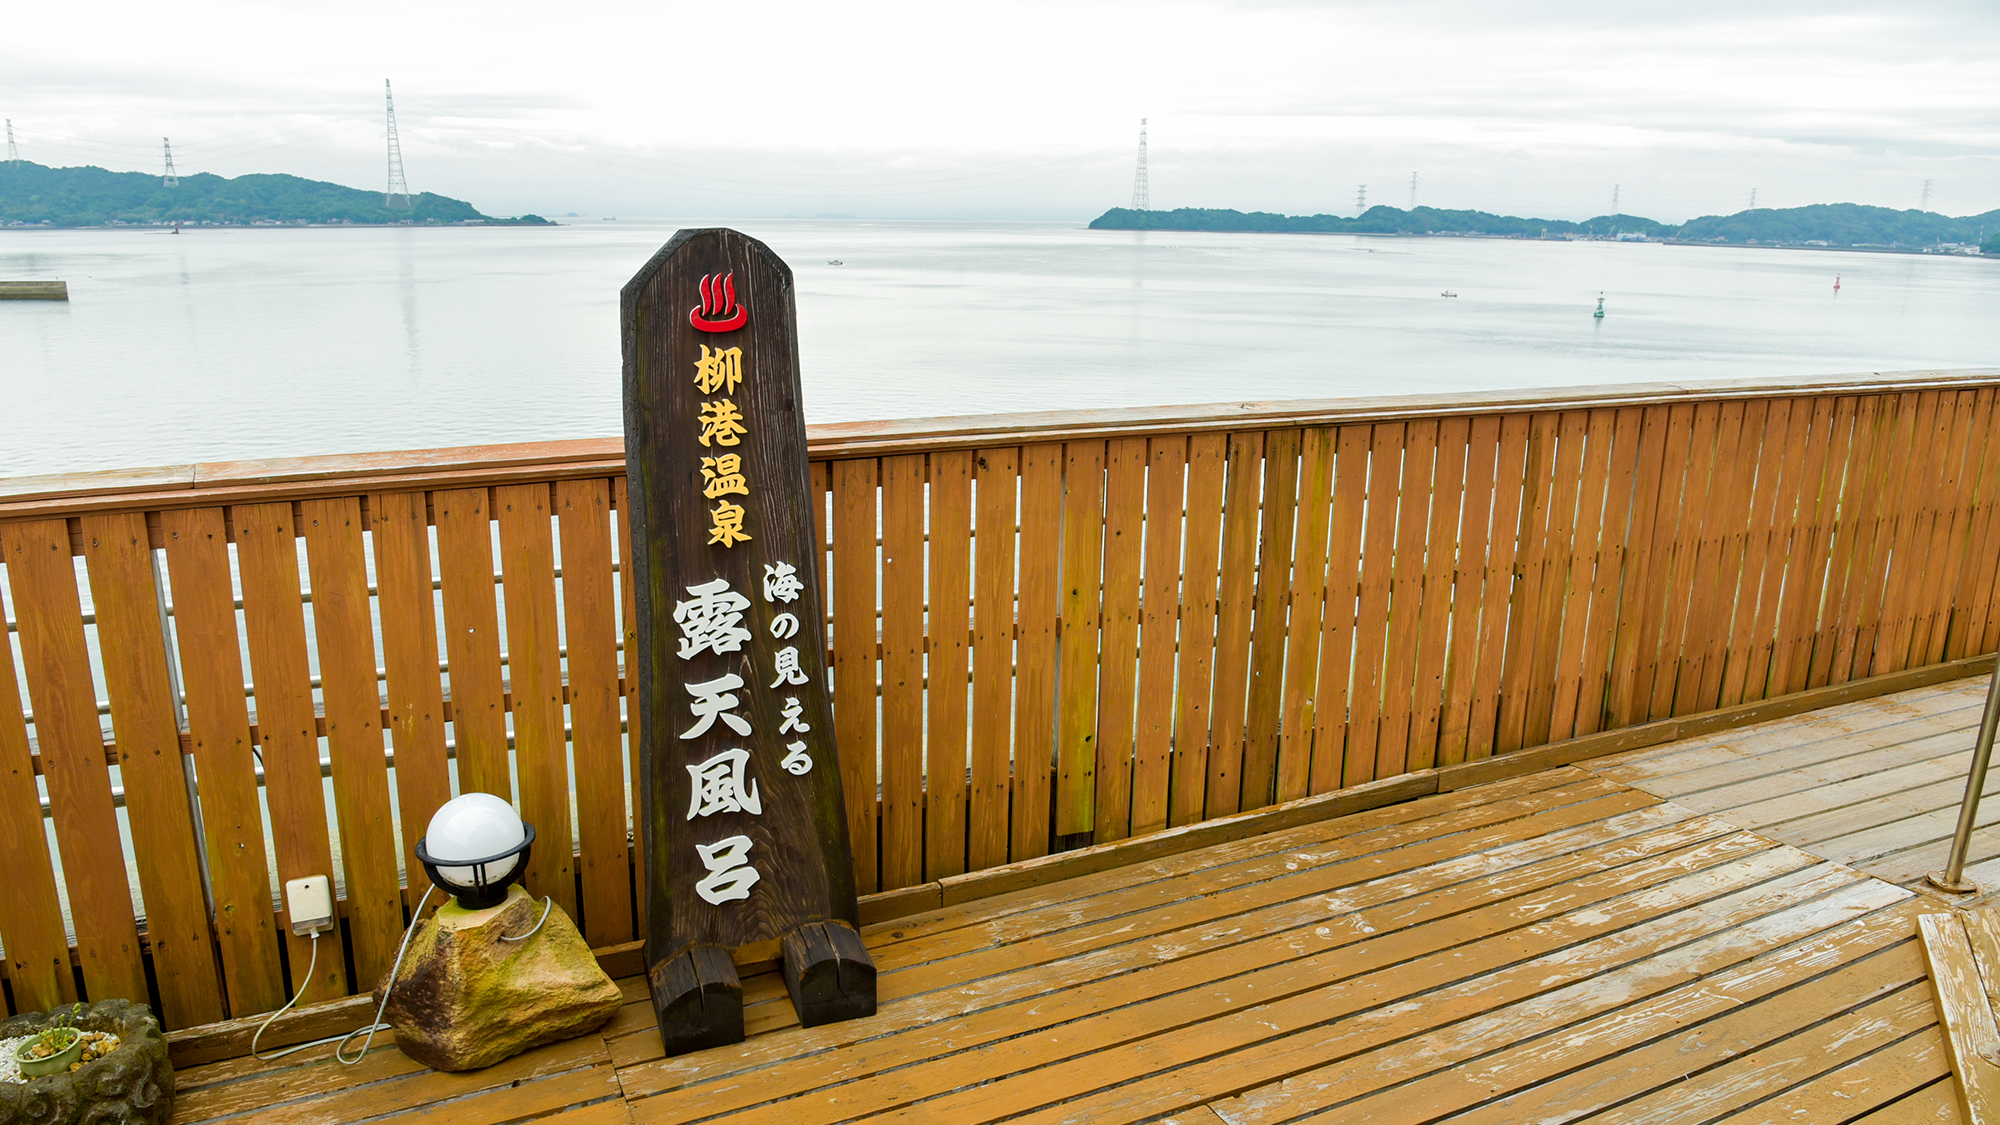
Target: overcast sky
(1030,110)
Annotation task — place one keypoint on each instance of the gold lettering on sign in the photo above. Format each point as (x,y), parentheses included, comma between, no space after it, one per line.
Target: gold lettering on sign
(726,525)
(723,369)
(723,475)
(721,423)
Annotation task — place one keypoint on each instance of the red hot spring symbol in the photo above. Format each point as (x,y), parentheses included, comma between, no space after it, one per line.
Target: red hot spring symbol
(718,311)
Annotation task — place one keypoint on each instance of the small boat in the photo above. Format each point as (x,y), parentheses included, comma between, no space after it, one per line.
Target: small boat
(835,262)
(1836,283)
(1600,307)
(1447,293)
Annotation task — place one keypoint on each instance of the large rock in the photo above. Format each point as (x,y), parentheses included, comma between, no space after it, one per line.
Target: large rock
(465,999)
(133,1085)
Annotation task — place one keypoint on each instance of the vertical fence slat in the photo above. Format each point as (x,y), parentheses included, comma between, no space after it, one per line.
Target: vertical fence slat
(1467,584)
(218,720)
(1524,611)
(1613,557)
(267,556)
(1118,651)
(1893,556)
(31,922)
(1916,513)
(1950,536)
(472,641)
(133,648)
(1166,473)
(993,657)
(541,758)
(1082,588)
(1207,461)
(1502,548)
(628,637)
(1776,488)
(413,690)
(590,632)
(1308,598)
(336,563)
(50,617)
(1440,561)
(1371,638)
(1975,597)
(1559,558)
(1331,689)
(1859,527)
(1806,539)
(1696,467)
(945,759)
(1629,611)
(1235,601)
(1585,557)
(1413,508)
(1035,676)
(855,638)
(1656,642)
(902,671)
(1713,581)
(1267,640)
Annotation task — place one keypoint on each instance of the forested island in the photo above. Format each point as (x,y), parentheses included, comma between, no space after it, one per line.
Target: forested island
(1825,224)
(35,195)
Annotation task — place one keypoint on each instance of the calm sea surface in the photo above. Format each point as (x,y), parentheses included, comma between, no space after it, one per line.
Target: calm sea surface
(273,342)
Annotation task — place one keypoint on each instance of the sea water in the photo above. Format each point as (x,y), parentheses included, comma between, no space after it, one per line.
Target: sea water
(270,342)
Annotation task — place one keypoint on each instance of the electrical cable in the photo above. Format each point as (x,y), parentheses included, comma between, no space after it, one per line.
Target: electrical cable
(549,904)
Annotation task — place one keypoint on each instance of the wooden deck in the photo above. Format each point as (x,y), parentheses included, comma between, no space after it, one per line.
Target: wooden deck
(1561,946)
(1875,785)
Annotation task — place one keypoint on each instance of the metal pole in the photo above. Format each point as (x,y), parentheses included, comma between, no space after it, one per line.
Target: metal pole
(1952,878)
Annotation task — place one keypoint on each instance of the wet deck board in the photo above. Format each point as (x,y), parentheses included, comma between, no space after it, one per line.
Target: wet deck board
(1874,784)
(1556,943)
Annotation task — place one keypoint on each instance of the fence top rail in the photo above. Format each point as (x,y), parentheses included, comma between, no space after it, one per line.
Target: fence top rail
(283,478)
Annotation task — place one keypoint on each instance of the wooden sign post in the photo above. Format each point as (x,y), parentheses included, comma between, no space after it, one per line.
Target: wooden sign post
(745,832)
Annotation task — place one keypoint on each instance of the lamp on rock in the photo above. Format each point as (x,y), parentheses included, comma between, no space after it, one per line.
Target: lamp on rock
(476,845)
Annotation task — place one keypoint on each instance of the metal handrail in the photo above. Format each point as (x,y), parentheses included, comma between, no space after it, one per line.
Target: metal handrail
(1952,878)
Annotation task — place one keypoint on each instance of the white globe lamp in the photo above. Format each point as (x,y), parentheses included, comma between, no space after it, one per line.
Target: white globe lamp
(475,846)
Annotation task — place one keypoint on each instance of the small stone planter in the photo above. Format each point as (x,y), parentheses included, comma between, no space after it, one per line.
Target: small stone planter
(52,1064)
(133,1085)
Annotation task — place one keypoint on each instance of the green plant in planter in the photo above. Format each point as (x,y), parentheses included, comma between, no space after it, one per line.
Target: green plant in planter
(53,1049)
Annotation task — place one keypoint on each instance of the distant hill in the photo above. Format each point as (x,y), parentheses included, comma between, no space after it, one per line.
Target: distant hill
(36,195)
(1826,224)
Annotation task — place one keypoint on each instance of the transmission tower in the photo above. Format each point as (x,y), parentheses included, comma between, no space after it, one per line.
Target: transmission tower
(1361,200)
(13,154)
(1413,191)
(1753,199)
(1141,195)
(170,179)
(398,195)
(1926,205)
(1614,199)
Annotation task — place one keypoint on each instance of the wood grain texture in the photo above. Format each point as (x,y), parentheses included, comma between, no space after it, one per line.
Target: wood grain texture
(1207,471)
(1304,625)
(413,688)
(534,666)
(1082,585)
(1035,675)
(946,751)
(345,644)
(1332,693)
(1152,762)
(472,641)
(993,656)
(211,665)
(855,661)
(902,671)
(1274,583)
(590,635)
(1235,604)
(31,918)
(267,556)
(1968,1015)
(56,663)
(1118,643)
(133,648)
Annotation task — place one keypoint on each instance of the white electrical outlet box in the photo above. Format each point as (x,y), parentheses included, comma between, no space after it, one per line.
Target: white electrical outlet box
(310,903)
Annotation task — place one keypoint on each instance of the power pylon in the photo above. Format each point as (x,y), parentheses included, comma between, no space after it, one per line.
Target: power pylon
(170,179)
(1413,191)
(398,194)
(13,154)
(1141,193)
(1753,199)
(1926,204)
(1614,199)
(1360,201)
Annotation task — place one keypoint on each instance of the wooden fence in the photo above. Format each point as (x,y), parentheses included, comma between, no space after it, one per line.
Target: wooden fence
(1046,630)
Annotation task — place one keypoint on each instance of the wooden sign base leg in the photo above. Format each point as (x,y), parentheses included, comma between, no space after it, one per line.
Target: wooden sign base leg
(829,973)
(698,999)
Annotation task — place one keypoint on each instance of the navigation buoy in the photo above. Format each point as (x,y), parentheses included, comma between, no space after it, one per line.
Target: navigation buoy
(1836,283)
(1600,306)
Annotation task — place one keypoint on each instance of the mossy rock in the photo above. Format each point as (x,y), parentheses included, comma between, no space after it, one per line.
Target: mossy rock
(133,1085)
